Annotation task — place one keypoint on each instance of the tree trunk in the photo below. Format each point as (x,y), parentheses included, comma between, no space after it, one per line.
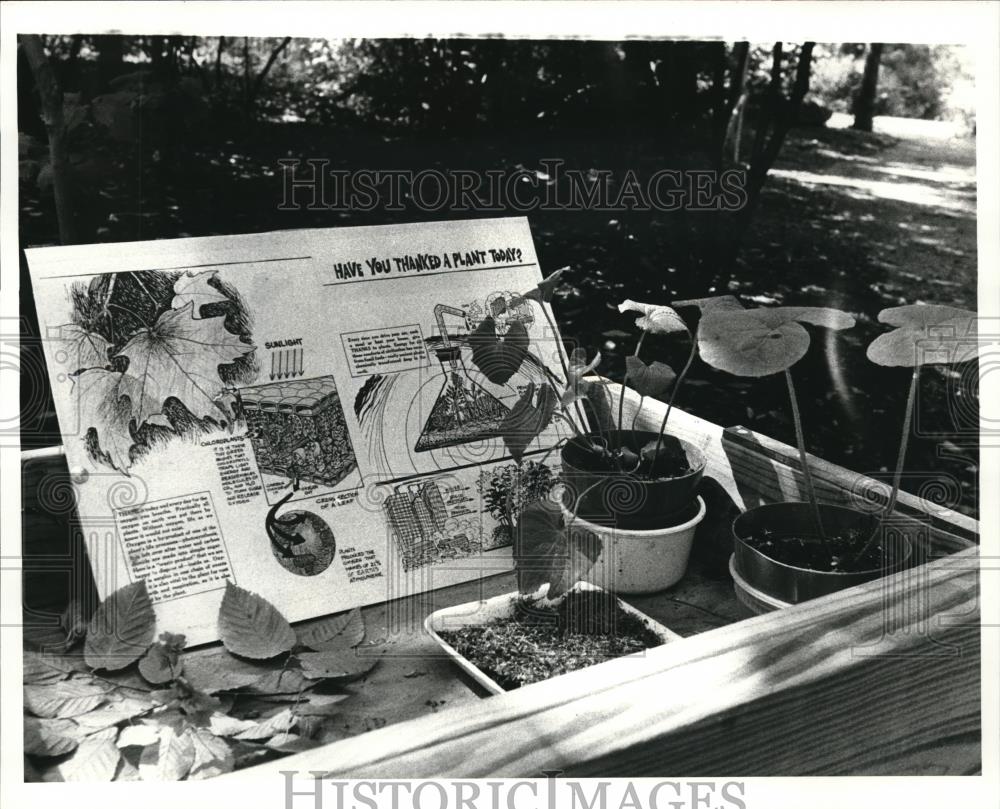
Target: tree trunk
(110,50)
(773,124)
(864,103)
(51,96)
(259,83)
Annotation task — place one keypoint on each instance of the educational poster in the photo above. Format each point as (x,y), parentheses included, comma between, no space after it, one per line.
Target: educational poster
(303,413)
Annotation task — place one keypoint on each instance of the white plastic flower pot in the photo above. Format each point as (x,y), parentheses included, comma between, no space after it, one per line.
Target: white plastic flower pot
(643,561)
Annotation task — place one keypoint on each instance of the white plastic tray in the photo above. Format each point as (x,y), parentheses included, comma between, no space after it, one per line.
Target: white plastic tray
(476,613)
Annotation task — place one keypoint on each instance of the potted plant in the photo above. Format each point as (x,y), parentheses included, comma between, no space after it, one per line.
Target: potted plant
(791,552)
(555,622)
(636,489)
(641,480)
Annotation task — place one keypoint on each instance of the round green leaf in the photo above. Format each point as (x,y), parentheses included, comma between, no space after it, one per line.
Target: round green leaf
(759,342)
(121,630)
(925,335)
(251,627)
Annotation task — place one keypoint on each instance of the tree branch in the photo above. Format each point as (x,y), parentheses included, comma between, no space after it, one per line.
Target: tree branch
(267,68)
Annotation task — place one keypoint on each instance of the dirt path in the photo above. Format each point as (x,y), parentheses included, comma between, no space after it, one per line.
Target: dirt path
(913,201)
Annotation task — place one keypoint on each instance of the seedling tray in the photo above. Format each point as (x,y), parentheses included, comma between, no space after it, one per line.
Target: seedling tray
(477,613)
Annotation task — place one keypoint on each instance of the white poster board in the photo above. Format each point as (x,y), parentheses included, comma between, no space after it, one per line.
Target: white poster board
(298,412)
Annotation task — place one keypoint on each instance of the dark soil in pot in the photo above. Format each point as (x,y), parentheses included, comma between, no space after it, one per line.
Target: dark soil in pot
(639,494)
(799,549)
(779,551)
(540,642)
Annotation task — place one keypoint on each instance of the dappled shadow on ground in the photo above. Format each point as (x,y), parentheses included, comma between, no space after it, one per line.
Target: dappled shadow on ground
(845,227)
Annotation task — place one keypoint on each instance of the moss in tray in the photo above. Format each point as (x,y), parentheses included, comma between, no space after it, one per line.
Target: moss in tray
(539,642)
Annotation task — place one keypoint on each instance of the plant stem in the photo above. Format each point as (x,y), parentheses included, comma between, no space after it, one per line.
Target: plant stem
(621,397)
(904,441)
(897,477)
(638,410)
(611,417)
(670,403)
(562,362)
(800,439)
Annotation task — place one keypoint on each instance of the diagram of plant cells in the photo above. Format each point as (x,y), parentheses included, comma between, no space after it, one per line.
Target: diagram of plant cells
(422,529)
(298,430)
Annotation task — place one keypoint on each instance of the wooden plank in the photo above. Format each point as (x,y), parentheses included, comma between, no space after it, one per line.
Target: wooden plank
(754,469)
(879,679)
(772,471)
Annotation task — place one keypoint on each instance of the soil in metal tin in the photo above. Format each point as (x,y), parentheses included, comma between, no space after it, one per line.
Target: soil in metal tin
(537,643)
(807,551)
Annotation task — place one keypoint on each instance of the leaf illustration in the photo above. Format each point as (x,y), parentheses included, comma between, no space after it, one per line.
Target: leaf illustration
(194,288)
(121,629)
(758,342)
(84,349)
(106,401)
(527,419)
(50,737)
(655,319)
(251,627)
(546,552)
(95,759)
(342,664)
(654,379)
(63,700)
(343,631)
(925,335)
(499,358)
(162,662)
(212,756)
(180,357)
